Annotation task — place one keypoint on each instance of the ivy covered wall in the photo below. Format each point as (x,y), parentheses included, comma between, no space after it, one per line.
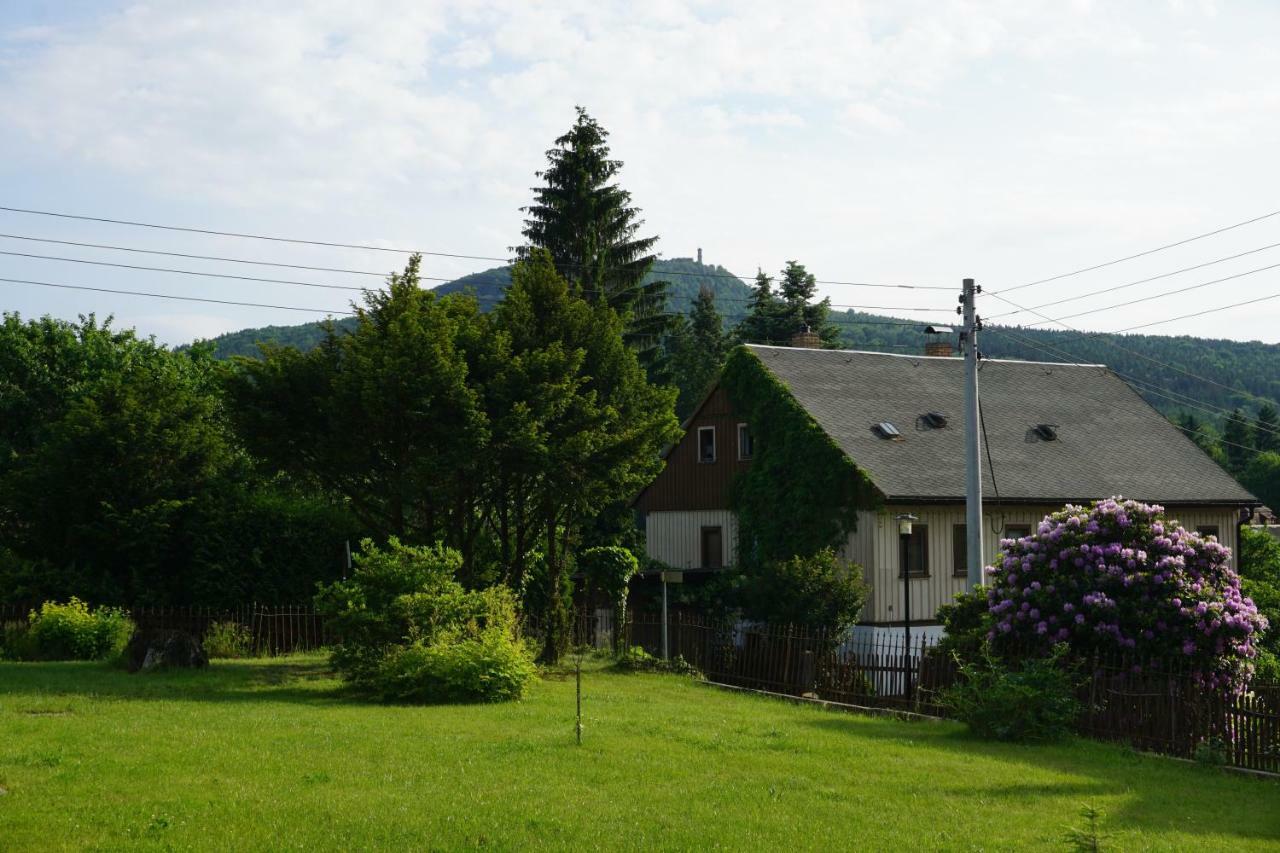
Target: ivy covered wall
(801,493)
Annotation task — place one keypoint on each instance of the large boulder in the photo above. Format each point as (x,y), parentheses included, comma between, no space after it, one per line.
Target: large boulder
(149,650)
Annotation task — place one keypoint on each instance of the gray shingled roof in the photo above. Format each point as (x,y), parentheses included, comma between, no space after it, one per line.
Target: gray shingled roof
(1110,441)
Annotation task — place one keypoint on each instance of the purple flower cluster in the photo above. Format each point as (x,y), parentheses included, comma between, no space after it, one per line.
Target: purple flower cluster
(1119,577)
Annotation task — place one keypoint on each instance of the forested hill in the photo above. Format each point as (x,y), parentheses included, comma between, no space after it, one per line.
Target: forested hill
(1159,367)
(685,276)
(1164,369)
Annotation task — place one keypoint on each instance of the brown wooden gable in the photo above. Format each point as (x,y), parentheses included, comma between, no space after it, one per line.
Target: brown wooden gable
(687,484)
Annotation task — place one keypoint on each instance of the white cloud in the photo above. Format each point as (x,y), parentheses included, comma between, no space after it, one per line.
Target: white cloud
(870,115)
(900,141)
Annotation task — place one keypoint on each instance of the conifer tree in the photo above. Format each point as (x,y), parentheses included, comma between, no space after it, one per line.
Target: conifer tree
(799,287)
(587,224)
(776,318)
(764,321)
(1237,440)
(1266,428)
(699,351)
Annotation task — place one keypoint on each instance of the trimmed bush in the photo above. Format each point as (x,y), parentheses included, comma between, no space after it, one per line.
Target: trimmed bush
(72,631)
(407,631)
(815,591)
(966,622)
(228,640)
(1035,702)
(610,570)
(486,668)
(636,659)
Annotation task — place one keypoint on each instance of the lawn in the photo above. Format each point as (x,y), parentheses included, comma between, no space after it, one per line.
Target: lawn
(271,754)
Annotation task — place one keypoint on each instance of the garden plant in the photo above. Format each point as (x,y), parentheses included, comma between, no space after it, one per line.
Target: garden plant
(1121,577)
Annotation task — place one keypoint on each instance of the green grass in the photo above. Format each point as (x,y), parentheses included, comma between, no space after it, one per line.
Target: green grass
(271,754)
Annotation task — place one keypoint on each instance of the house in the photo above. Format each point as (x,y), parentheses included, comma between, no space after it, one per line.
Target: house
(1055,434)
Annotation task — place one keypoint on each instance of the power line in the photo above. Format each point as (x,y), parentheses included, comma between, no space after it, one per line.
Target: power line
(1102,337)
(337,245)
(1130,284)
(170,296)
(1198,313)
(243,236)
(1184,430)
(1160,295)
(1132,257)
(189,272)
(1148,386)
(203,274)
(221,258)
(844,323)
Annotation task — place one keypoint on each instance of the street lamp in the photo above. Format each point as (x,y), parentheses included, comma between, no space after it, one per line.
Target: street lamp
(904,540)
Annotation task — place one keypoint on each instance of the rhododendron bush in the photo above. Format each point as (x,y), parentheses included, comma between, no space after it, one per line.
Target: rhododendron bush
(1119,577)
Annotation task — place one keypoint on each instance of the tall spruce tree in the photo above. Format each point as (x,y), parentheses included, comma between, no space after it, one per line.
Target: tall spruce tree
(777,317)
(698,352)
(1266,428)
(799,288)
(586,222)
(1203,434)
(1237,440)
(765,321)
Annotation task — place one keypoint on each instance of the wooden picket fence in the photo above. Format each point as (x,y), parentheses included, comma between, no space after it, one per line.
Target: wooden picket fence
(1151,705)
(273,629)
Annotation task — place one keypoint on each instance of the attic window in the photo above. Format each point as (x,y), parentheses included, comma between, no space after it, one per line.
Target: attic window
(706,444)
(1047,432)
(934,420)
(884,429)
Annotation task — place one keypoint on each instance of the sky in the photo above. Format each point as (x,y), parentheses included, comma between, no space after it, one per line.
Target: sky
(914,143)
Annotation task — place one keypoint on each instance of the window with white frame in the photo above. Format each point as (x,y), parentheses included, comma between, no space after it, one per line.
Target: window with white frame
(746,442)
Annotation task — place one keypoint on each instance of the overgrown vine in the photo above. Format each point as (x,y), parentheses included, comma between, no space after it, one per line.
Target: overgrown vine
(801,493)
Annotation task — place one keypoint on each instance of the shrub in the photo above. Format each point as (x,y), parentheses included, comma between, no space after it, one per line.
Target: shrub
(610,570)
(814,591)
(361,608)
(228,640)
(486,668)
(1266,668)
(72,631)
(1119,577)
(966,622)
(636,659)
(15,641)
(1259,562)
(407,631)
(1033,703)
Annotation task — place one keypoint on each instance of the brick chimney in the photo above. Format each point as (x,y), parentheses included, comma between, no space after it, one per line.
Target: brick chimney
(937,341)
(807,339)
(940,347)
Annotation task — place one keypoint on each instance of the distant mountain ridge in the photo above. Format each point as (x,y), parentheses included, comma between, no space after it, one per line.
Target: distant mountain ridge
(686,277)
(1163,369)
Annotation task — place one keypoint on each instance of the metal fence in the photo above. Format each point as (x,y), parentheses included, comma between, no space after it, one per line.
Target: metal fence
(1150,704)
(272,630)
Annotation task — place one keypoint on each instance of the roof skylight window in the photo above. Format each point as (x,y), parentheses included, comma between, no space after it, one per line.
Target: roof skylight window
(884,429)
(1046,432)
(934,420)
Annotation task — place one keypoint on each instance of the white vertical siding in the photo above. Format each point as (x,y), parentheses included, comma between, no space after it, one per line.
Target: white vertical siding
(1224,519)
(876,543)
(859,549)
(675,538)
